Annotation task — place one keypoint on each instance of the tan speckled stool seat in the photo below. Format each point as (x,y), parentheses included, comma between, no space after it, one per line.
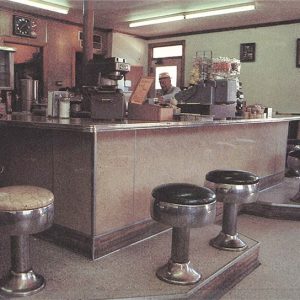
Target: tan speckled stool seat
(24,210)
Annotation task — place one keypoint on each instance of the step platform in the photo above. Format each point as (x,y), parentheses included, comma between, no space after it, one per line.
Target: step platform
(275,203)
(130,271)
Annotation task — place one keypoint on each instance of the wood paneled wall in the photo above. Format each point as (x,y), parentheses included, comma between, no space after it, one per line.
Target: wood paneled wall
(59,42)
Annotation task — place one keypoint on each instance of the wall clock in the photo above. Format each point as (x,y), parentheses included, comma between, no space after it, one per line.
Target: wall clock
(22,26)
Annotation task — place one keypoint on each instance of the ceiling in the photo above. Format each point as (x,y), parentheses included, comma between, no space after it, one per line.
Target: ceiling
(116,14)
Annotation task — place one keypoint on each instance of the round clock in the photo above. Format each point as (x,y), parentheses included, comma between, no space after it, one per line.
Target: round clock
(22,26)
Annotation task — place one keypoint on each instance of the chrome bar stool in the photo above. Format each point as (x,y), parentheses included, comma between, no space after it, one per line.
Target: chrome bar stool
(232,187)
(293,163)
(24,210)
(182,206)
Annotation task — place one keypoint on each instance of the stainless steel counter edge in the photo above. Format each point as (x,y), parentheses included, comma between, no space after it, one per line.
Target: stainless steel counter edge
(88,125)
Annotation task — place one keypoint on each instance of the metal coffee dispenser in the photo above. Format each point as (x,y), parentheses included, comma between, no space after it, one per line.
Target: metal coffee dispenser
(210,97)
(213,87)
(107,102)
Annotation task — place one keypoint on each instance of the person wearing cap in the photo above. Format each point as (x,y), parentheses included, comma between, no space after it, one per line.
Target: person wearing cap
(168,91)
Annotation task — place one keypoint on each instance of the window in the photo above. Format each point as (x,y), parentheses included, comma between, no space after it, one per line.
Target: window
(168,51)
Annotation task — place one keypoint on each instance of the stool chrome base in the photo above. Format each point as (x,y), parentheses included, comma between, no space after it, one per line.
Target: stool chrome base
(21,284)
(178,273)
(228,242)
(296,198)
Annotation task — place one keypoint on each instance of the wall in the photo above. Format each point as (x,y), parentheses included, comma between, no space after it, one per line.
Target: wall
(135,50)
(273,79)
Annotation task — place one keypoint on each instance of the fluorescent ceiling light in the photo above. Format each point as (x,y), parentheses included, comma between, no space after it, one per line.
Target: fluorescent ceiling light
(44,5)
(220,11)
(157,21)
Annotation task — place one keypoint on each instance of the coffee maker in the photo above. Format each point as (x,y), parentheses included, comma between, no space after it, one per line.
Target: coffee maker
(106,101)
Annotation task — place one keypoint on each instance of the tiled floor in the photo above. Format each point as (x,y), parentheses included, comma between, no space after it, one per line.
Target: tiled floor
(130,272)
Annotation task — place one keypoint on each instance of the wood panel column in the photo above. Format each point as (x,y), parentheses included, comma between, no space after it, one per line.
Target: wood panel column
(88,31)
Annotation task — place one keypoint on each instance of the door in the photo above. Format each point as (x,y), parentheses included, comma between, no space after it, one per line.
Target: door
(172,62)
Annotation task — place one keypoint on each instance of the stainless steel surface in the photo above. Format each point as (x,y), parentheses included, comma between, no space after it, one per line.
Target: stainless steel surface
(177,215)
(26,94)
(108,106)
(21,284)
(176,273)
(229,242)
(27,221)
(89,125)
(220,91)
(231,193)
(180,244)
(35,88)
(232,196)
(20,258)
(293,163)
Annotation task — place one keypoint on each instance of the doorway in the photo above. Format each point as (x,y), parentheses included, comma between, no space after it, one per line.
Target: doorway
(168,58)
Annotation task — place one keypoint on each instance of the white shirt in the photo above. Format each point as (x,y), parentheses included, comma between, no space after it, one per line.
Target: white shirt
(169,96)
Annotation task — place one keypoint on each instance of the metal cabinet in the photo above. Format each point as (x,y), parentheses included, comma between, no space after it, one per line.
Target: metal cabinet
(6,68)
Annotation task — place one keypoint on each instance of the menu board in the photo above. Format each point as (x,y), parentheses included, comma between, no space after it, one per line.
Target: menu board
(140,93)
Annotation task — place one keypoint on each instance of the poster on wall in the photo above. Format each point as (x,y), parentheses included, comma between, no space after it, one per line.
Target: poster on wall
(247,52)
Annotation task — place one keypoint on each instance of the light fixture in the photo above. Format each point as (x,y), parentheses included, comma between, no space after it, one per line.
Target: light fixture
(157,20)
(196,14)
(220,11)
(44,5)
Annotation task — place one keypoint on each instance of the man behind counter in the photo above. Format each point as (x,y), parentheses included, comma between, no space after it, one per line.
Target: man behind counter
(168,91)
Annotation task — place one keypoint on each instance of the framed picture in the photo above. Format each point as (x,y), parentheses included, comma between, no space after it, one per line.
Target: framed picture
(298,54)
(247,52)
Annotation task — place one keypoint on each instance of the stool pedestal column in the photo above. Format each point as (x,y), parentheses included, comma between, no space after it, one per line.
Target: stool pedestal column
(179,269)
(21,281)
(228,238)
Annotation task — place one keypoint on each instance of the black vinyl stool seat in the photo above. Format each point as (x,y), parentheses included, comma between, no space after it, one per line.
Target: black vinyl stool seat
(293,163)
(232,187)
(182,206)
(24,210)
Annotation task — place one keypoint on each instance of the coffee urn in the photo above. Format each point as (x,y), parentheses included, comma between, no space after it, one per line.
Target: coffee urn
(29,93)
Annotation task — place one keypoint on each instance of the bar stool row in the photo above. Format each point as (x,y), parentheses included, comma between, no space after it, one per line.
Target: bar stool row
(183,206)
(25,210)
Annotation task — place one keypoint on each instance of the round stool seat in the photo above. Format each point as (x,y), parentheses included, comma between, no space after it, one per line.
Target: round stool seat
(21,197)
(233,185)
(183,204)
(25,209)
(232,177)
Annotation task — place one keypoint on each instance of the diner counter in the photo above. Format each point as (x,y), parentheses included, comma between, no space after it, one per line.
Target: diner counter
(102,173)
(89,125)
